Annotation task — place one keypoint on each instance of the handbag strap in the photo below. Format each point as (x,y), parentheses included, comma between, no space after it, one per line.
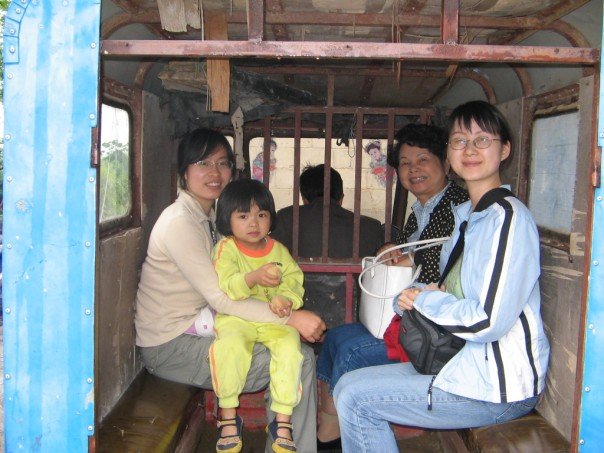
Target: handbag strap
(489,198)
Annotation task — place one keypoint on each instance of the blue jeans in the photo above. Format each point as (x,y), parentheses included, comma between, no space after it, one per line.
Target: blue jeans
(367,400)
(349,347)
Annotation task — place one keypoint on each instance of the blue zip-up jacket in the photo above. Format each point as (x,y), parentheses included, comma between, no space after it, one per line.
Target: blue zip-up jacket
(506,352)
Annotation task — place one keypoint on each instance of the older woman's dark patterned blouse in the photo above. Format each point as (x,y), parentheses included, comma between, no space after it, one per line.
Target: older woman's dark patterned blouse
(441,224)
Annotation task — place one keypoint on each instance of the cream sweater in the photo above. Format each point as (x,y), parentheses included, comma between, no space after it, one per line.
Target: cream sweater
(178,278)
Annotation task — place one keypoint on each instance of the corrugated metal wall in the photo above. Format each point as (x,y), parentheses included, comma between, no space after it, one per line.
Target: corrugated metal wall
(51,56)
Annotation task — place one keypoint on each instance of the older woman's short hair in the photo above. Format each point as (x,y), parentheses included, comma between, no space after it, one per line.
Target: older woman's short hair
(429,137)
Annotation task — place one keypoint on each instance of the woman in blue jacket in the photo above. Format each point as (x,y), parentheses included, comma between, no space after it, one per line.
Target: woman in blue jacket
(490,298)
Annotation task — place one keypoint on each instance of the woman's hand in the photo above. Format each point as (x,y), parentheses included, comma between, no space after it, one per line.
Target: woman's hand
(397,258)
(281,306)
(407,297)
(310,326)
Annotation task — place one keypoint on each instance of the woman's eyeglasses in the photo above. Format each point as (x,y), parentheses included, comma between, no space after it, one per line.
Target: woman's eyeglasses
(219,164)
(481,142)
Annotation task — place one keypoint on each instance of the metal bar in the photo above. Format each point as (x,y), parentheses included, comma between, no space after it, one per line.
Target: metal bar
(255,20)
(333,268)
(358,169)
(389,176)
(151,16)
(366,110)
(327,185)
(349,298)
(357,50)
(296,195)
(266,152)
(449,28)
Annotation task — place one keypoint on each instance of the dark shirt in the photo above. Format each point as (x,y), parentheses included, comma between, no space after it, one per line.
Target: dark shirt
(441,224)
(341,224)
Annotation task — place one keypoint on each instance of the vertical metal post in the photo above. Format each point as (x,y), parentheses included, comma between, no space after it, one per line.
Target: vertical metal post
(51,55)
(591,436)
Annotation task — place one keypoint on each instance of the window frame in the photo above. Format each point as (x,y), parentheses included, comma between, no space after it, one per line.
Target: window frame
(547,105)
(124,98)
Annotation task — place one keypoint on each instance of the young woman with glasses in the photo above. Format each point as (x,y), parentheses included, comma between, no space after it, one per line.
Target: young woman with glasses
(490,298)
(178,282)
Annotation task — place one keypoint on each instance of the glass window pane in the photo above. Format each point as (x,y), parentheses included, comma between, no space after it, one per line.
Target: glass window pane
(553,167)
(115,199)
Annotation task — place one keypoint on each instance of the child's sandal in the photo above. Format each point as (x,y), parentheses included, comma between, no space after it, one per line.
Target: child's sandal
(281,444)
(230,444)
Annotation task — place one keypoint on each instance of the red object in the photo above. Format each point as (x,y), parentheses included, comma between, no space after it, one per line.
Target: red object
(394,350)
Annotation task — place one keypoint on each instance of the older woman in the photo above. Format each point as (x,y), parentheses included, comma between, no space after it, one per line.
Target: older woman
(418,155)
(178,281)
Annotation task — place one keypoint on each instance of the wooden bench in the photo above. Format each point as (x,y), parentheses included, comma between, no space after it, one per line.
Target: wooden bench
(530,434)
(154,415)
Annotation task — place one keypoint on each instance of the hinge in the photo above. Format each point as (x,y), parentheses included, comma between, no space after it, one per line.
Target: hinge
(596,174)
(94,147)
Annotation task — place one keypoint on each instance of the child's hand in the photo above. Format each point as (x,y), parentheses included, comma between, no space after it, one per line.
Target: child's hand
(407,297)
(281,306)
(267,275)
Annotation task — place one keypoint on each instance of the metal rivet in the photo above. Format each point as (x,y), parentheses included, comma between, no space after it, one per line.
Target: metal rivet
(582,442)
(18,10)
(90,428)
(9,246)
(91,179)
(9,178)
(596,263)
(87,312)
(7,137)
(7,376)
(599,198)
(601,134)
(92,116)
(12,31)
(87,243)
(9,76)
(587,388)
(93,45)
(89,380)
(590,327)
(7,310)
(12,49)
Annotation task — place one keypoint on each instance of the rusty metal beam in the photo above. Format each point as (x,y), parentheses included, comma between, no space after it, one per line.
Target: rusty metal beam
(279,30)
(356,50)
(274,17)
(449,29)
(468,74)
(134,8)
(255,20)
(546,17)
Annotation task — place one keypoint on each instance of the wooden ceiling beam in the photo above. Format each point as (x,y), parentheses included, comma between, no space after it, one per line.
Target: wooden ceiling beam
(356,50)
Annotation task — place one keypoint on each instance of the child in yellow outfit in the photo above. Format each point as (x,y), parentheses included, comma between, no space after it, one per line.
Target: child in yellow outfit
(251,264)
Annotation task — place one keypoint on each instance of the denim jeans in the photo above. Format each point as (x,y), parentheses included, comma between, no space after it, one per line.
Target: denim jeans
(349,347)
(367,400)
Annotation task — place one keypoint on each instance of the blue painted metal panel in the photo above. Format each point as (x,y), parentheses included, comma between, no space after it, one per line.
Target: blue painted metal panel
(591,434)
(50,95)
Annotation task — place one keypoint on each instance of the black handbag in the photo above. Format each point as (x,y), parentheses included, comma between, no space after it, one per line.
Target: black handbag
(428,345)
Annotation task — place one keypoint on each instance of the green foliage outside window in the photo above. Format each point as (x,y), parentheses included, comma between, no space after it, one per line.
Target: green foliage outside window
(115,198)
